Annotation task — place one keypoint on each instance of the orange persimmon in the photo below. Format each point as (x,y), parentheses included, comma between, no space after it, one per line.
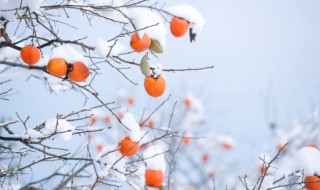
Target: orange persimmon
(312,182)
(130,101)
(140,44)
(178,26)
(79,72)
(57,67)
(186,140)
(154,178)
(99,147)
(93,119)
(128,147)
(30,55)
(155,87)
(187,102)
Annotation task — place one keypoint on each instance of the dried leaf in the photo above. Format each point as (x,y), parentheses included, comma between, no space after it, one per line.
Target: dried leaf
(20,17)
(156,46)
(84,49)
(144,65)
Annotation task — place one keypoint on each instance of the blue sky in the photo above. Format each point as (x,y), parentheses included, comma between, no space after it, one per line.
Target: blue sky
(260,49)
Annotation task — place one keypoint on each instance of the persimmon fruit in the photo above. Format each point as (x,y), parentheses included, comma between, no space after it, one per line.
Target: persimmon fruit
(226,146)
(150,123)
(312,182)
(262,169)
(154,178)
(99,147)
(120,115)
(128,147)
(205,158)
(155,87)
(178,26)
(93,119)
(79,72)
(57,67)
(140,44)
(30,55)
(186,140)
(130,101)
(1,31)
(313,145)
(107,119)
(187,102)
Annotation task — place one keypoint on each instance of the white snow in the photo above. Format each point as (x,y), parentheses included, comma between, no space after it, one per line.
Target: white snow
(34,134)
(307,160)
(103,48)
(97,113)
(113,3)
(189,13)
(44,59)
(110,158)
(62,127)
(134,128)
(34,6)
(195,113)
(67,52)
(145,18)
(154,158)
(9,54)
(157,69)
(226,139)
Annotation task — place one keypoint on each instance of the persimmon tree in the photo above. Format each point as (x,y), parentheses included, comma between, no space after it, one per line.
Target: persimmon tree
(115,149)
(108,144)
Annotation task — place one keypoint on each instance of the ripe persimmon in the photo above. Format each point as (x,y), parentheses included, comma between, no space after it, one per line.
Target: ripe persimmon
(186,140)
(312,182)
(262,169)
(313,145)
(226,146)
(79,72)
(205,158)
(99,147)
(1,31)
(93,119)
(155,87)
(140,44)
(57,67)
(187,102)
(30,55)
(120,115)
(107,119)
(178,26)
(154,178)
(128,147)
(150,123)
(130,101)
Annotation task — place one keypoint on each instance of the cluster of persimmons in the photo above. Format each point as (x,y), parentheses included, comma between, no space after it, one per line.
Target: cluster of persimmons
(155,86)
(79,72)
(76,71)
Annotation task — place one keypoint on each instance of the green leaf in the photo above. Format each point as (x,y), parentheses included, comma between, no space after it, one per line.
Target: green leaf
(84,49)
(144,65)
(156,46)
(20,17)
